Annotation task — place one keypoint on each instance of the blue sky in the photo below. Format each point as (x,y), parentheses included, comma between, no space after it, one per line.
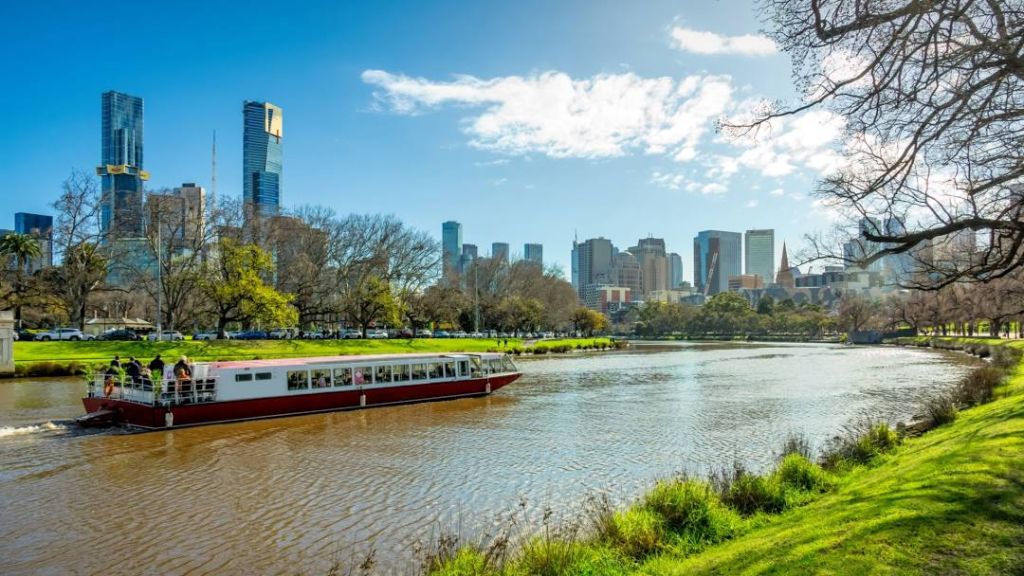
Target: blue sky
(527,121)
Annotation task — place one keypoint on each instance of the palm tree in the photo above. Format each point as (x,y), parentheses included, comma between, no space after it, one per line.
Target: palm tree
(21,248)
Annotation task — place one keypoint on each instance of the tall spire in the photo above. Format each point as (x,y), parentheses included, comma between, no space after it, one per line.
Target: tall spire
(785,276)
(785,259)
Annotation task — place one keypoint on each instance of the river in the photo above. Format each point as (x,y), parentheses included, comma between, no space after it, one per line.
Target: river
(291,495)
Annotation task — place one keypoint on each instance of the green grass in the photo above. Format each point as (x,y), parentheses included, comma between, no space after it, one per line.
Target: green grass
(948,502)
(54,358)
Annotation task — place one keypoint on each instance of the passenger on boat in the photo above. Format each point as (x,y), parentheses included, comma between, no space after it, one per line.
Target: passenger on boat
(156,366)
(133,369)
(116,362)
(358,378)
(182,373)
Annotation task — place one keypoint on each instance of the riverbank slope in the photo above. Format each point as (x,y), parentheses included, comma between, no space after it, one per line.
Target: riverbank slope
(948,502)
(63,358)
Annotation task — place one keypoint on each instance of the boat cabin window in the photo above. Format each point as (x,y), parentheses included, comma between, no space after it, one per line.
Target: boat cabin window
(464,368)
(495,364)
(433,370)
(449,369)
(419,372)
(507,364)
(342,376)
(475,369)
(361,375)
(401,372)
(382,374)
(298,379)
(264,376)
(321,379)
(246,377)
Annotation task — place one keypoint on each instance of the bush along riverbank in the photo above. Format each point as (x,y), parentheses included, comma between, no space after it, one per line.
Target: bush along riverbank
(947,501)
(77,358)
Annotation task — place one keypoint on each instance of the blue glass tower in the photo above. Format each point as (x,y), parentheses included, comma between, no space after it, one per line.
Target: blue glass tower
(261,158)
(121,165)
(717,255)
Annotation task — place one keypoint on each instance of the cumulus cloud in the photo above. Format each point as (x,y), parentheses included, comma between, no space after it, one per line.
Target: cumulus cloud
(602,116)
(807,141)
(702,42)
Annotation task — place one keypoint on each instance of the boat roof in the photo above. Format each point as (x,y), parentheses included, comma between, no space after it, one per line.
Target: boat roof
(316,360)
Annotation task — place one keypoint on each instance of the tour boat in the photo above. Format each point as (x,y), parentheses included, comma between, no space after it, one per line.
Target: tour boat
(229,391)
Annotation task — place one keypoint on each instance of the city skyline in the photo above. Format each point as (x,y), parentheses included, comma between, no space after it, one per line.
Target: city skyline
(352,147)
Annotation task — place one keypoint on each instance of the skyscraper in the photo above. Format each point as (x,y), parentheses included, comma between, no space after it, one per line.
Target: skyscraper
(650,253)
(40,226)
(451,246)
(593,264)
(534,253)
(121,165)
(759,246)
(261,158)
(499,251)
(675,271)
(717,255)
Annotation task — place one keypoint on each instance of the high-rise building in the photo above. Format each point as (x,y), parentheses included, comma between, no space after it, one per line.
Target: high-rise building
(592,264)
(180,216)
(121,167)
(261,158)
(717,255)
(469,254)
(40,226)
(451,247)
(759,248)
(650,253)
(626,272)
(675,271)
(499,251)
(534,253)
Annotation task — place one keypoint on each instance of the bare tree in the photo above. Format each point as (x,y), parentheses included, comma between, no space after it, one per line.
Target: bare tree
(76,241)
(931,93)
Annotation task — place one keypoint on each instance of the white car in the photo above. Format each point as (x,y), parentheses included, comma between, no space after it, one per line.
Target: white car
(168,335)
(377,334)
(352,334)
(63,334)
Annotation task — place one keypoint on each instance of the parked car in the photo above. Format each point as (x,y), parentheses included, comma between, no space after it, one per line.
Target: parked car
(377,334)
(351,333)
(212,335)
(119,334)
(476,334)
(251,335)
(62,334)
(166,335)
(424,333)
(283,333)
(442,334)
(459,334)
(313,335)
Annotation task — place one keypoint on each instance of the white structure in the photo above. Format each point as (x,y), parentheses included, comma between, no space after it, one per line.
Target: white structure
(7,342)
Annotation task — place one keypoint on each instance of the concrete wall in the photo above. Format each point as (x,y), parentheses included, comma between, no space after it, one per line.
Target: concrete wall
(6,342)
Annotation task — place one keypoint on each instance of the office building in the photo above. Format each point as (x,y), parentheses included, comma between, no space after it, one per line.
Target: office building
(121,166)
(626,272)
(261,158)
(592,264)
(717,255)
(40,226)
(675,271)
(180,216)
(650,253)
(745,282)
(499,251)
(451,247)
(759,249)
(534,253)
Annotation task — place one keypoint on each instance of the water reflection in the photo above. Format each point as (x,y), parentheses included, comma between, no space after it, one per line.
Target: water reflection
(292,494)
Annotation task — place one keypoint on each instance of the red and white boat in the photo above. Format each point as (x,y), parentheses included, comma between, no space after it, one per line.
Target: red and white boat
(243,390)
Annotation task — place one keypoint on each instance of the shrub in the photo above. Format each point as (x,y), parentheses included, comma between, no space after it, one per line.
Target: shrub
(1005,357)
(979,385)
(942,409)
(797,472)
(750,493)
(861,445)
(692,510)
(544,557)
(463,562)
(797,444)
(638,531)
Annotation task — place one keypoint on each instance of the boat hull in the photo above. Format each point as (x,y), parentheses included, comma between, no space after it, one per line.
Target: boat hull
(155,417)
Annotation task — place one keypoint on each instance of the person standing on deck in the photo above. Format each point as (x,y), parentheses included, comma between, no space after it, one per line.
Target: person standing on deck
(156,366)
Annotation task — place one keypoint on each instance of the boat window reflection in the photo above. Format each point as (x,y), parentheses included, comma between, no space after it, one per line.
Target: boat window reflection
(298,379)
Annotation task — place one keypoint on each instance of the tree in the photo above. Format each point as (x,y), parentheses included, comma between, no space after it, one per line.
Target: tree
(931,95)
(234,288)
(19,248)
(76,238)
(855,313)
(589,321)
(370,301)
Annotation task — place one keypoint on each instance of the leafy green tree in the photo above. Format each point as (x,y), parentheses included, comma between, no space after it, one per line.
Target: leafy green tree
(766,305)
(20,248)
(369,300)
(234,287)
(589,321)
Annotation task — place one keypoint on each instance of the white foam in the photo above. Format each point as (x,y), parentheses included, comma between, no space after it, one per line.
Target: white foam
(6,431)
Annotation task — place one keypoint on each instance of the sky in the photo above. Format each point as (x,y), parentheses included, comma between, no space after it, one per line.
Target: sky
(526,121)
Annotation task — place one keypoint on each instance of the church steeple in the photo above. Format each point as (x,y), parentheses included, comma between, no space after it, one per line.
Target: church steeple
(785,276)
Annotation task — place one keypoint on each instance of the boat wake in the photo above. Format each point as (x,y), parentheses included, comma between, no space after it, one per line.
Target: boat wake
(7,431)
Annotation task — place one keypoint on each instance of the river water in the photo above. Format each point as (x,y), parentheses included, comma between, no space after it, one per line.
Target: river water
(292,495)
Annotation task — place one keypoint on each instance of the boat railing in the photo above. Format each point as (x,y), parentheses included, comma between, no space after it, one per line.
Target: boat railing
(144,390)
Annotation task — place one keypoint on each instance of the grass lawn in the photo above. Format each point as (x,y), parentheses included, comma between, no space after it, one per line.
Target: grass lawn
(948,502)
(97,351)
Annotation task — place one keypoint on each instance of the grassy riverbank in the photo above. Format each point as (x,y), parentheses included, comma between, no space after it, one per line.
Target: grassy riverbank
(948,502)
(60,358)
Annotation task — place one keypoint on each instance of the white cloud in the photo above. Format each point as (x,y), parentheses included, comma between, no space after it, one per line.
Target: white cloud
(713,188)
(808,141)
(777,192)
(701,42)
(606,115)
(752,204)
